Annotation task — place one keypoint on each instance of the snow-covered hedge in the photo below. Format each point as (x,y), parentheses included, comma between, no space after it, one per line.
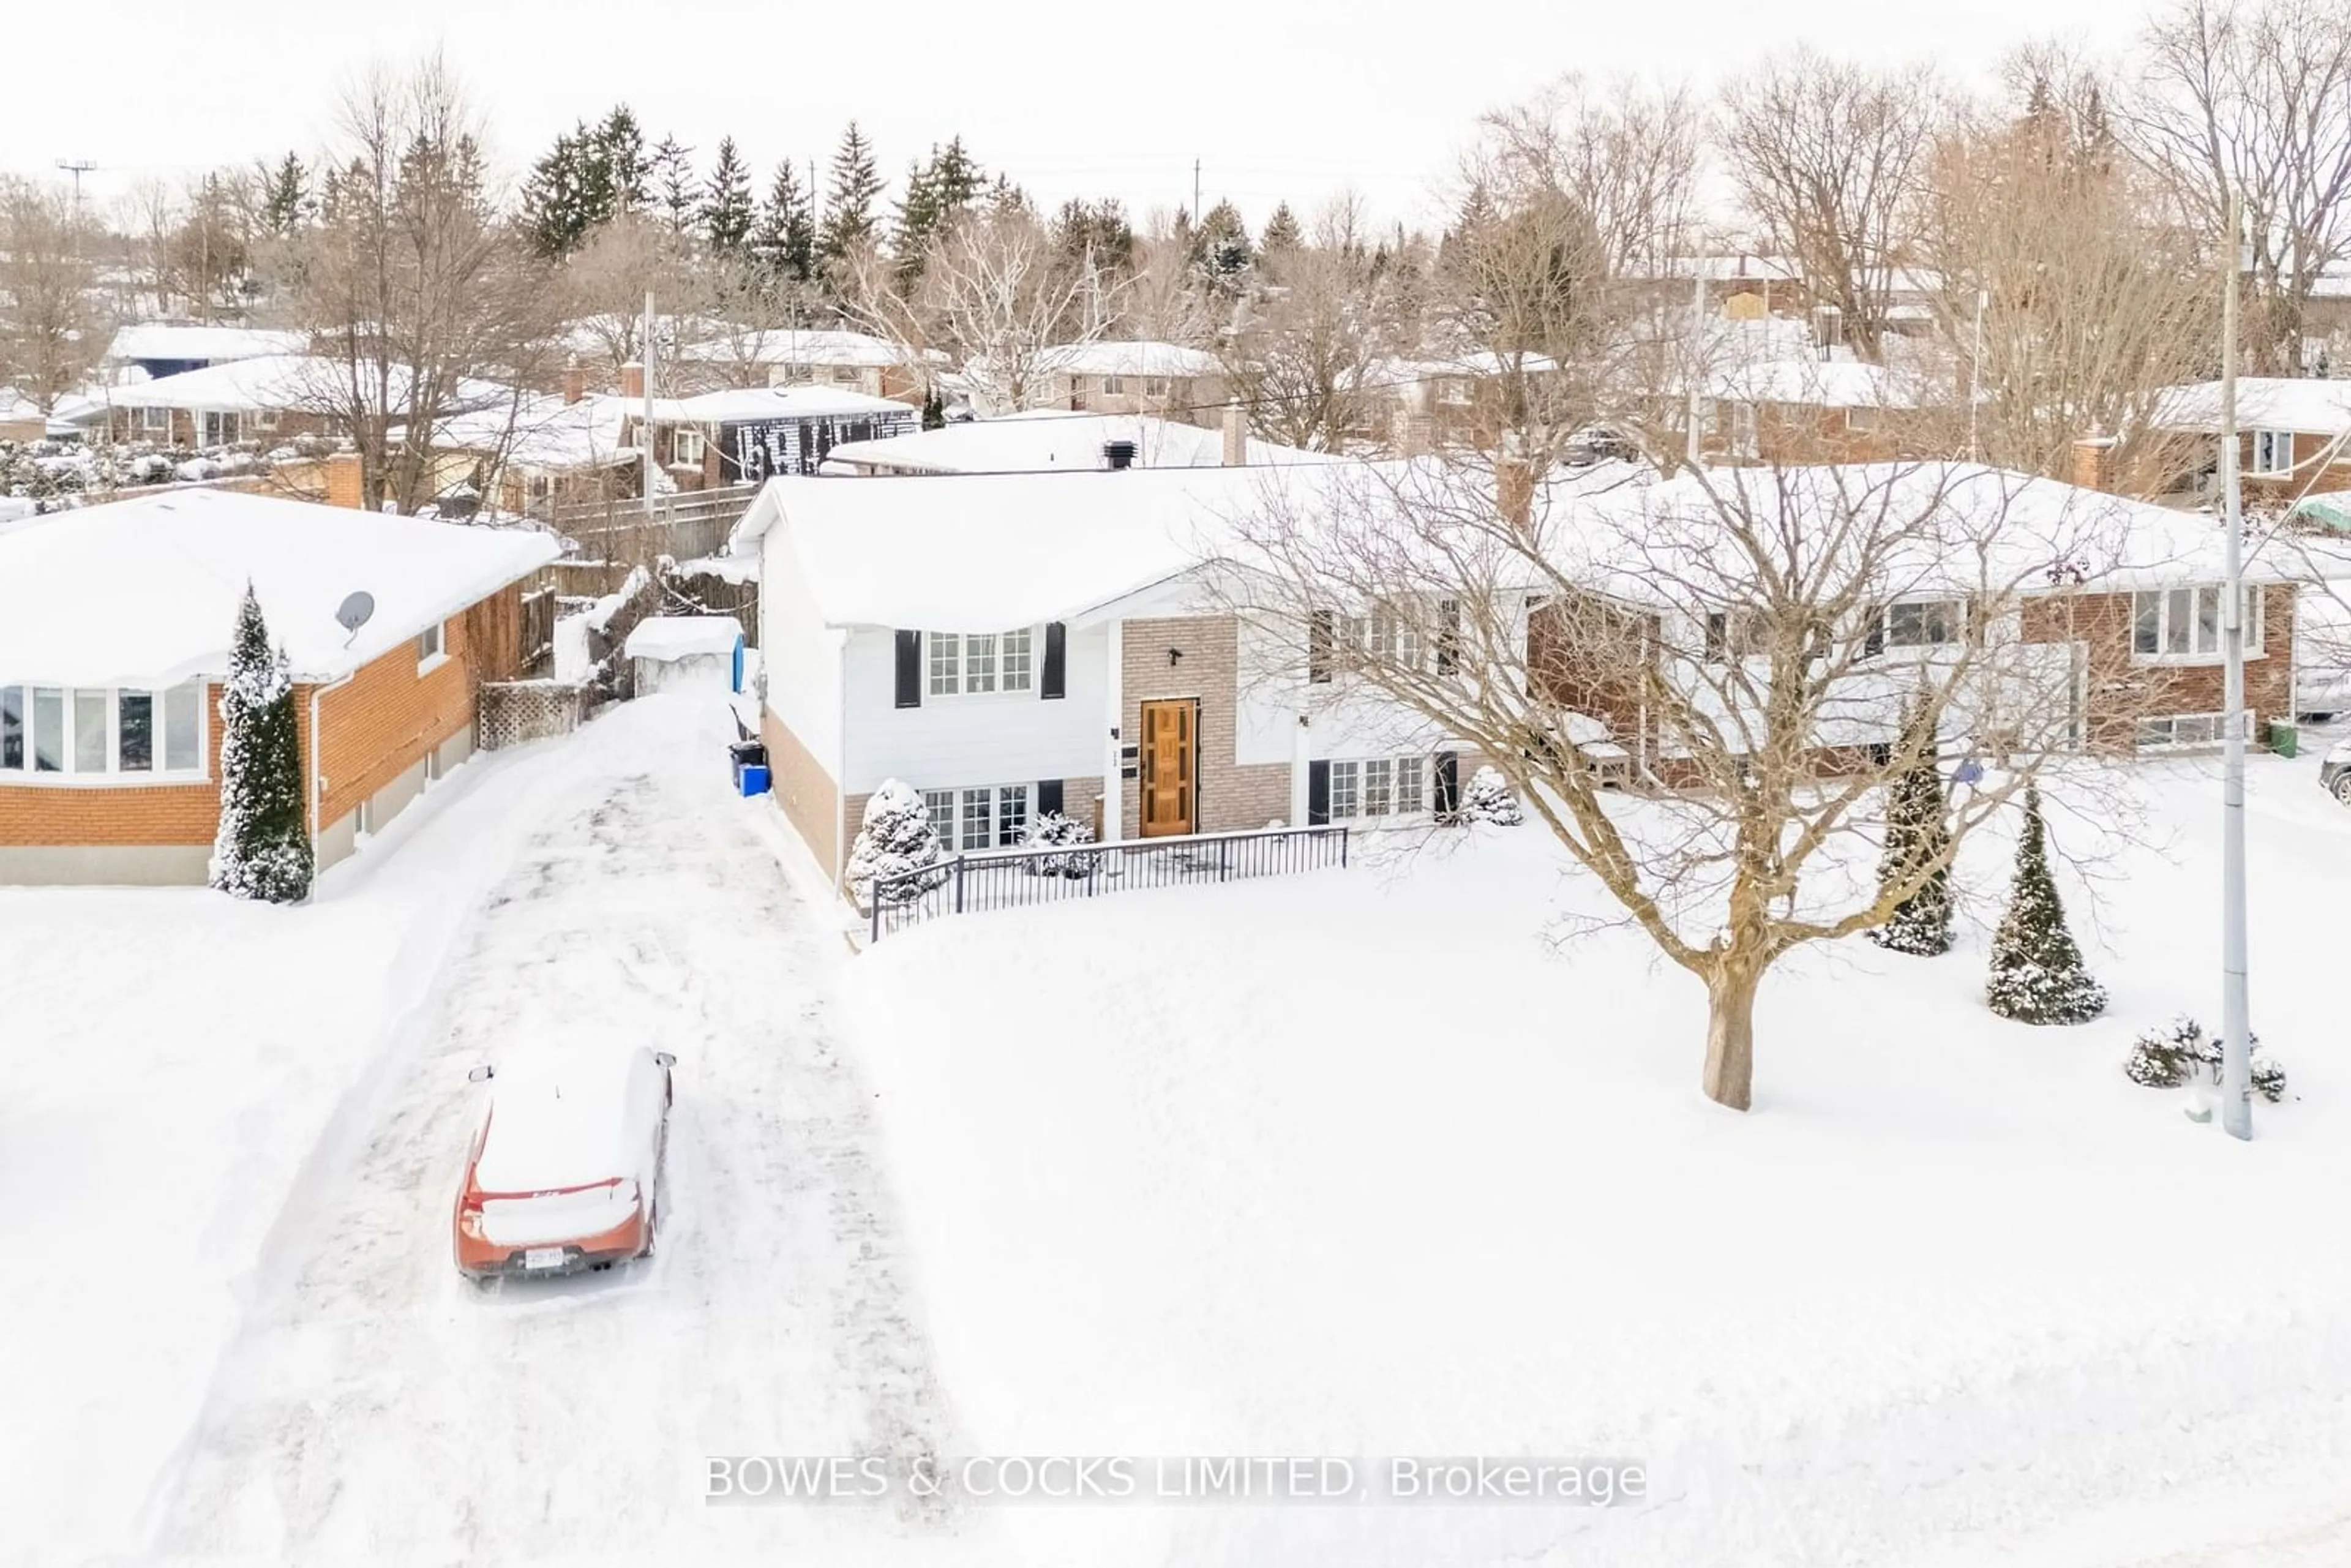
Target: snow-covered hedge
(1488,799)
(2181,1052)
(896,837)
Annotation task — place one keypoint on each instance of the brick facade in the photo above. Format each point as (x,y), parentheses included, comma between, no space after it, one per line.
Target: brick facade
(1230,797)
(383,732)
(2122,690)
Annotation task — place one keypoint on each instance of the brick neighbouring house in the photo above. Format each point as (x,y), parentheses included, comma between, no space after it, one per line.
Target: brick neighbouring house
(2293,434)
(114,630)
(743,435)
(2118,651)
(1004,644)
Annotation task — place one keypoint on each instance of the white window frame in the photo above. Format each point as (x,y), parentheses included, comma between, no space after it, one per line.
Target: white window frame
(2169,604)
(1114,386)
(265,419)
(432,647)
(1955,625)
(226,425)
(109,773)
(953,662)
(845,375)
(2165,733)
(155,421)
(2268,464)
(687,446)
(953,814)
(1155,386)
(1378,789)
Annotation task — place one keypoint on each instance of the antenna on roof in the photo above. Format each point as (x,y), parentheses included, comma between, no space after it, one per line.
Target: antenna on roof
(352,614)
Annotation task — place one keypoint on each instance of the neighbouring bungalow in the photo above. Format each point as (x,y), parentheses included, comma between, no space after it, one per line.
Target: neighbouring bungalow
(2294,435)
(743,435)
(115,625)
(807,356)
(1809,411)
(1135,376)
(1083,643)
(155,350)
(1455,402)
(1048,439)
(534,454)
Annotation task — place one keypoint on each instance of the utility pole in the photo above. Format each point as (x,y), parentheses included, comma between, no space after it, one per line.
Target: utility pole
(2236,1009)
(1196,193)
(645,425)
(1975,376)
(1694,449)
(76,167)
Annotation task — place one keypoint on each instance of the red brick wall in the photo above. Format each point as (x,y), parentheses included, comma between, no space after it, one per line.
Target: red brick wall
(2122,690)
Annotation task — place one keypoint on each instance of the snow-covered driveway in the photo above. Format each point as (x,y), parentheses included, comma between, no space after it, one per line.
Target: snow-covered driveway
(375,1407)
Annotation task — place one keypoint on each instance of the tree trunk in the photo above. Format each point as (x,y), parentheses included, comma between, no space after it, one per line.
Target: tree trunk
(1730,1035)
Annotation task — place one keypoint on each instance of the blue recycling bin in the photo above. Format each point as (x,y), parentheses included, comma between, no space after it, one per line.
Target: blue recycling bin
(755,779)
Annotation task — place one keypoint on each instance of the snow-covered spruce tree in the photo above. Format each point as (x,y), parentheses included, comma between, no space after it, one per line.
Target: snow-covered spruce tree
(896,837)
(2037,976)
(1488,799)
(1917,836)
(263,847)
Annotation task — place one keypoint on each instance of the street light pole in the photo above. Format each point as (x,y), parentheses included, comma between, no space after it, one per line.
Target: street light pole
(1975,375)
(2236,1010)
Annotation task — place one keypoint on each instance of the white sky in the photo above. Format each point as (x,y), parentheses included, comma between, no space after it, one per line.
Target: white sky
(1277,98)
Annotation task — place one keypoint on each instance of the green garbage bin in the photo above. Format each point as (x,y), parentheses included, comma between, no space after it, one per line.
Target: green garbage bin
(2283,740)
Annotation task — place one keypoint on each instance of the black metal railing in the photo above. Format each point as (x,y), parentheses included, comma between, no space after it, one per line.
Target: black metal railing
(1015,879)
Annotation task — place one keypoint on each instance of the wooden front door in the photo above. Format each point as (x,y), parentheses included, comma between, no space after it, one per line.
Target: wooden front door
(1169,774)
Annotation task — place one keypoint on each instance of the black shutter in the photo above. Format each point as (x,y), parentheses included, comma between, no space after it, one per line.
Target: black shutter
(1318,794)
(1873,639)
(1049,795)
(1055,681)
(1717,637)
(910,669)
(1449,636)
(1449,786)
(1321,629)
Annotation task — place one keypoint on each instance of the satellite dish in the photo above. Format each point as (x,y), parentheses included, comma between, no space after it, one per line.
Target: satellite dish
(353,613)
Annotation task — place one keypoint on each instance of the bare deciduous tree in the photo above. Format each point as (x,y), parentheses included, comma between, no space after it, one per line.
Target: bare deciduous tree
(2090,301)
(52,331)
(1751,639)
(2255,99)
(411,284)
(1828,157)
(1316,331)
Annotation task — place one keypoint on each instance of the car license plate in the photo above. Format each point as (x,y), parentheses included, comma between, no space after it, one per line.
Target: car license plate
(542,1257)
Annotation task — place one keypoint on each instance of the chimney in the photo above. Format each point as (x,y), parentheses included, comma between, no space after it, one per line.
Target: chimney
(1118,454)
(1236,436)
(575,382)
(633,381)
(343,480)
(2094,462)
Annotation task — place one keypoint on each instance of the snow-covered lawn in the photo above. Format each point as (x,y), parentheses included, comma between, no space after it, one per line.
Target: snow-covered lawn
(1359,1164)
(233,1136)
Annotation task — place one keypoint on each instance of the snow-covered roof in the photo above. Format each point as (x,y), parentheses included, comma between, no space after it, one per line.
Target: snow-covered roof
(1832,383)
(2263,403)
(1050,439)
(682,636)
(146,591)
(978,551)
(798,346)
(1731,268)
(166,340)
(745,405)
(543,433)
(298,382)
(1136,357)
(982,551)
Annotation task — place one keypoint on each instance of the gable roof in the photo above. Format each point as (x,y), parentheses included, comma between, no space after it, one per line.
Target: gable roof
(1128,357)
(747,405)
(145,592)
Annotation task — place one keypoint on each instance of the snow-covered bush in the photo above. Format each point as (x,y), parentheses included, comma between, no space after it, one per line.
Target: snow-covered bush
(2167,1057)
(2037,973)
(262,849)
(1488,799)
(1053,830)
(2269,1078)
(895,837)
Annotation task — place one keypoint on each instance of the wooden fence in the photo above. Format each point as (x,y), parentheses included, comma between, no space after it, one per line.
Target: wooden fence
(683,526)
